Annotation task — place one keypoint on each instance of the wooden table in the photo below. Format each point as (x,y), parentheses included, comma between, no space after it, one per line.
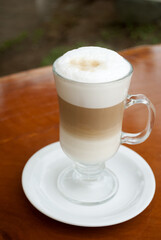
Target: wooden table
(29,118)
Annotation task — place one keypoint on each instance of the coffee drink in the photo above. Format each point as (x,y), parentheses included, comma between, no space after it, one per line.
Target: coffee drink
(92,85)
(91,100)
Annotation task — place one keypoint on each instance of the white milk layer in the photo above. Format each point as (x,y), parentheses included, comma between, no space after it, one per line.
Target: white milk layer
(92,77)
(89,151)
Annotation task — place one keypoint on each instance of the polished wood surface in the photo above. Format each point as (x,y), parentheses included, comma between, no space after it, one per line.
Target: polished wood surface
(29,120)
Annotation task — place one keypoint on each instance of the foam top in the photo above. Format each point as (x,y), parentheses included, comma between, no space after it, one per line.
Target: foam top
(92,65)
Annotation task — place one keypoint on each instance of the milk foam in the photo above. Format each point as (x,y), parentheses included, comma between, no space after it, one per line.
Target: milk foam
(92,65)
(94,72)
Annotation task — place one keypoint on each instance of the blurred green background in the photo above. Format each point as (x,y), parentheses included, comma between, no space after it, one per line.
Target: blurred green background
(34,33)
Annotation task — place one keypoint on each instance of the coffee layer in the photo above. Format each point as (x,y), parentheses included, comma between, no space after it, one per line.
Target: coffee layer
(89,135)
(90,123)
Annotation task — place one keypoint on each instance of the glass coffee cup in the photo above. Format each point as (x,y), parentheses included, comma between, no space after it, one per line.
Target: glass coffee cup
(91,116)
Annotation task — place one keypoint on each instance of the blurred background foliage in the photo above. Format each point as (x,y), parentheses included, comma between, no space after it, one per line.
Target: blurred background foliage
(34,33)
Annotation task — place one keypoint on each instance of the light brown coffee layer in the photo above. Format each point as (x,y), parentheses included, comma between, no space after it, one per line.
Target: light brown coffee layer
(91,123)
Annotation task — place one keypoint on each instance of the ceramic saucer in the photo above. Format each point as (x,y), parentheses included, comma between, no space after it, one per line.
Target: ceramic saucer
(136,188)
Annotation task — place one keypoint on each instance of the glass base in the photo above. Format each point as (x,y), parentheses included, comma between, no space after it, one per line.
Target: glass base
(87,185)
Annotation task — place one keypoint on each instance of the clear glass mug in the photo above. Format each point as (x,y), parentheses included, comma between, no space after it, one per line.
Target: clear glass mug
(91,117)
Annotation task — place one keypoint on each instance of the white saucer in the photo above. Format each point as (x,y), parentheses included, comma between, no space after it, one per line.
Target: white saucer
(136,188)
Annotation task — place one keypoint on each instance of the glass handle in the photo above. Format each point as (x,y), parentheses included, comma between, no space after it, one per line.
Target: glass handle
(136,138)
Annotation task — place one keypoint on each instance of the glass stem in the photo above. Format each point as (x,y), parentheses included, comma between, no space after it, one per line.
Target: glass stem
(88,172)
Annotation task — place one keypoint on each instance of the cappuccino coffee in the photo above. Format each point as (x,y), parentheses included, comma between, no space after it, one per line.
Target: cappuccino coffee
(91,101)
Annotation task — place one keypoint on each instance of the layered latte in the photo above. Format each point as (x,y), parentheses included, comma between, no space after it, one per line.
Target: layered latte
(91,102)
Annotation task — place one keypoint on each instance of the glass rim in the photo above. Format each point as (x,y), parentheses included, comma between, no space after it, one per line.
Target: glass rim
(92,83)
